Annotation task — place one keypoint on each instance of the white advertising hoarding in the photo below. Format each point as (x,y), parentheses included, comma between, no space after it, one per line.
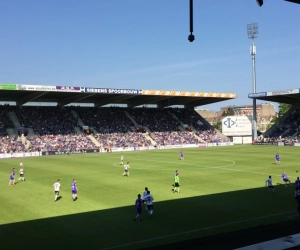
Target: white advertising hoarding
(237,125)
(237,140)
(36,87)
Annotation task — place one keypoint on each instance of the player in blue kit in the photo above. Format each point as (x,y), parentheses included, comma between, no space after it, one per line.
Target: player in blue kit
(181,155)
(277,158)
(297,186)
(12,178)
(138,206)
(269,184)
(285,178)
(74,190)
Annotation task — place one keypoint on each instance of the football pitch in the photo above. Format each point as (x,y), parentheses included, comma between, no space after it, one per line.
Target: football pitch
(222,189)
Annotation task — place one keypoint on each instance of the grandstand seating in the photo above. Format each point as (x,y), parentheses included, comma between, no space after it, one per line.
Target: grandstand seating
(105,120)
(54,128)
(158,120)
(46,120)
(5,122)
(288,126)
(189,117)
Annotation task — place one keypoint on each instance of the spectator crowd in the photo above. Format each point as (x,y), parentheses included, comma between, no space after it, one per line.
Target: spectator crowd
(54,128)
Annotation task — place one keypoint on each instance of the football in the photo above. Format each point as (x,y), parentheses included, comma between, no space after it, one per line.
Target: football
(297,171)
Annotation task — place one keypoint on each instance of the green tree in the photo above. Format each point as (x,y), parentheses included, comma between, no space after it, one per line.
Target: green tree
(282,109)
(218,125)
(228,112)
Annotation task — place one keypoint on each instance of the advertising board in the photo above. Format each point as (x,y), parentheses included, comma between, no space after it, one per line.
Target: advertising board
(237,125)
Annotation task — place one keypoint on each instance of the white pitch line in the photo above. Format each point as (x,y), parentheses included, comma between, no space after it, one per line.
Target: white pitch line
(222,167)
(197,230)
(188,164)
(198,166)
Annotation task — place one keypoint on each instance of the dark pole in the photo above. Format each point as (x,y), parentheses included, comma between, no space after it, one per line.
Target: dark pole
(191,16)
(191,37)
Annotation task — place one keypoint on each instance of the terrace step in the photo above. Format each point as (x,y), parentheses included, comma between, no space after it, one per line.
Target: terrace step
(11,131)
(93,139)
(148,137)
(181,127)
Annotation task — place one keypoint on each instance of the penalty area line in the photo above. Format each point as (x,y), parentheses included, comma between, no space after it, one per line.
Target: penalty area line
(198,230)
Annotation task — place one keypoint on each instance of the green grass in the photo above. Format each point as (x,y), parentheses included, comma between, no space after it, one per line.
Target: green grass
(222,189)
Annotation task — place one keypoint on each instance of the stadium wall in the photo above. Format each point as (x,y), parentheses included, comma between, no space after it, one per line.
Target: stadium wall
(47,153)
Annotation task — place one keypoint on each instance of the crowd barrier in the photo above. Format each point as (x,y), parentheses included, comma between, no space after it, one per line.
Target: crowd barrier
(90,151)
(279,143)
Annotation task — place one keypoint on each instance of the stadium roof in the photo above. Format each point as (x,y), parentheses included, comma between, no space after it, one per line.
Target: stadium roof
(63,95)
(289,96)
(293,1)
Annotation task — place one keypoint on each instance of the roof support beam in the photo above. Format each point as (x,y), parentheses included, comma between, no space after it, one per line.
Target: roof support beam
(75,98)
(30,97)
(149,100)
(111,100)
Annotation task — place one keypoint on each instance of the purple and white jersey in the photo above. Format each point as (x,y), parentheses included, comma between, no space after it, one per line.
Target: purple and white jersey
(284,176)
(74,187)
(277,157)
(11,177)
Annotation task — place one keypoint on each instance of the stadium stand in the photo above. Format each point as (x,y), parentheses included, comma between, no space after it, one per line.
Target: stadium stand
(287,130)
(46,120)
(158,120)
(54,128)
(5,122)
(105,120)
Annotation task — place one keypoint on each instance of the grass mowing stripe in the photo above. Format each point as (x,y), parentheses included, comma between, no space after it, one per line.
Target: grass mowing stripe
(220,195)
(199,229)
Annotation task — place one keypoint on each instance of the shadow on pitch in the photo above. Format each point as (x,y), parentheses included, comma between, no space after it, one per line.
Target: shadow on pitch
(173,220)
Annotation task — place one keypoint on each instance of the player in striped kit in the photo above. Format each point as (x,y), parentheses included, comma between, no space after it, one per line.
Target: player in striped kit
(269,184)
(126,169)
(149,201)
(56,187)
(21,172)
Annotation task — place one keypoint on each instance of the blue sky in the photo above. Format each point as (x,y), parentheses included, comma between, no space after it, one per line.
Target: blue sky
(142,44)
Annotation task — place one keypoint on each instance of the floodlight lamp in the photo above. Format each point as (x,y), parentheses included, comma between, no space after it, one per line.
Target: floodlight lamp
(260,2)
(252,30)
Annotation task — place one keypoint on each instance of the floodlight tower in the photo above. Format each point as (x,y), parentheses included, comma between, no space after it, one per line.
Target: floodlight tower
(252,30)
